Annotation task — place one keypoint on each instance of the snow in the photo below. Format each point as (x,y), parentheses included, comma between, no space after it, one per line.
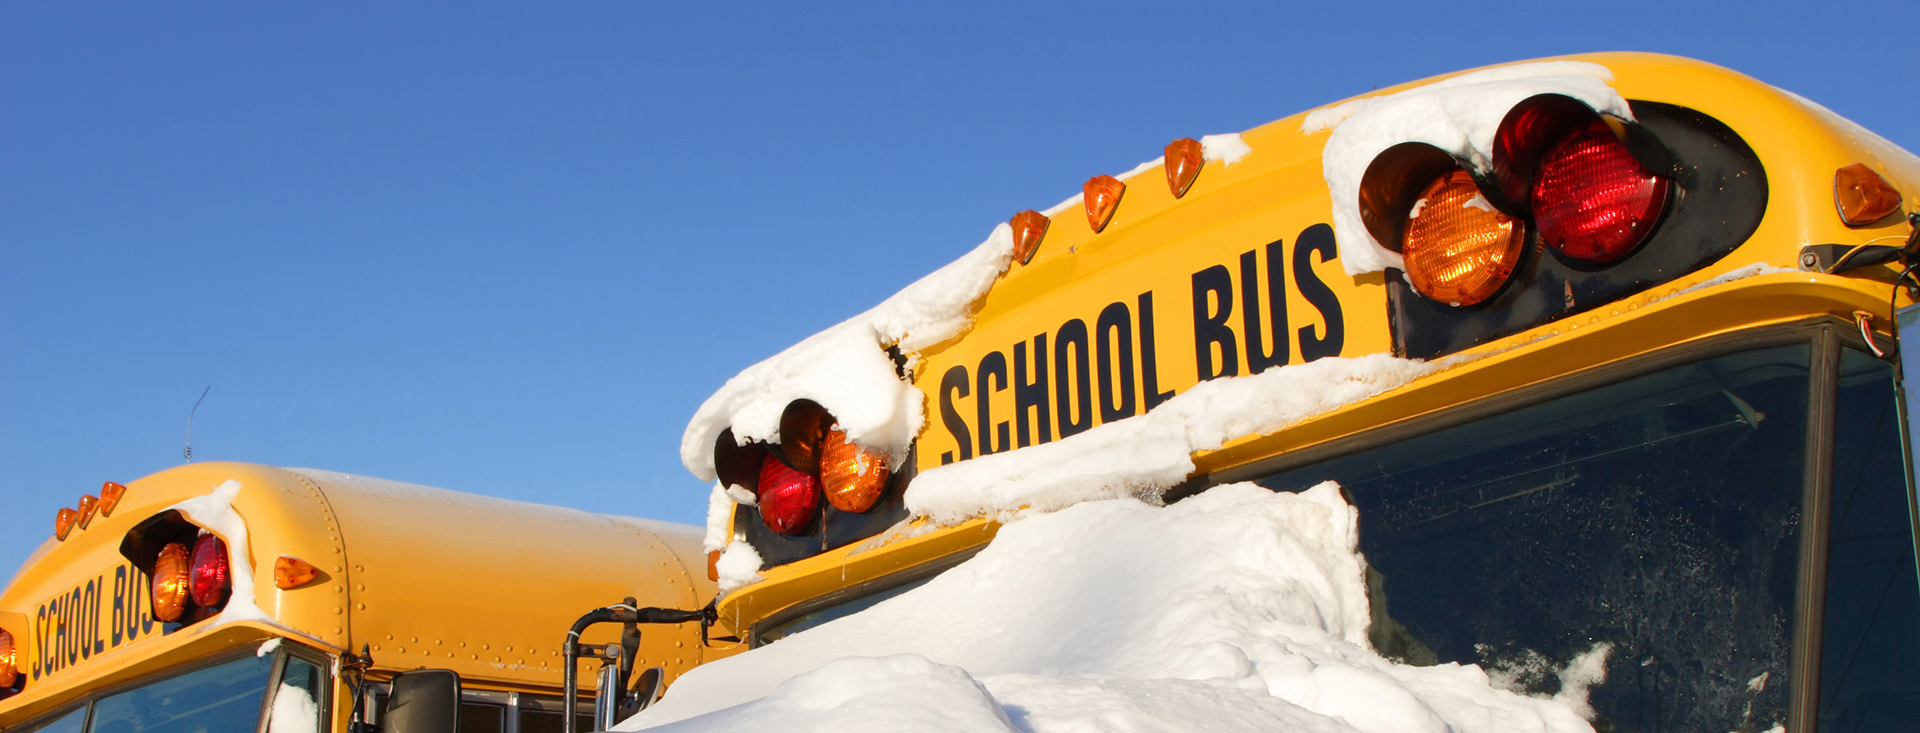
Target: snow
(294,711)
(719,514)
(846,368)
(1142,456)
(1459,115)
(1236,609)
(214,512)
(267,648)
(738,566)
(1228,149)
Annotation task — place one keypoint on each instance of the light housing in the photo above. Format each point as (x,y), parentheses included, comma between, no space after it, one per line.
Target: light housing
(290,572)
(1459,249)
(170,581)
(88,505)
(853,477)
(1862,196)
(1029,227)
(110,494)
(1592,200)
(63,522)
(1182,160)
(788,499)
(1101,197)
(212,575)
(9,662)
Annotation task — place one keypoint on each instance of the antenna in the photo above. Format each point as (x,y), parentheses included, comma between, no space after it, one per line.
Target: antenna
(188,451)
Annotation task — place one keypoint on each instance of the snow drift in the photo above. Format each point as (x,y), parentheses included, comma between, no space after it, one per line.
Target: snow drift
(1237,609)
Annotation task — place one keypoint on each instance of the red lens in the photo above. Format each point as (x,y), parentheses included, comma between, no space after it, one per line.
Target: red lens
(1592,200)
(210,577)
(788,498)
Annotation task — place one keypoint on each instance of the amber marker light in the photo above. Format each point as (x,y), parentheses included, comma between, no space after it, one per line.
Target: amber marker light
(88,505)
(170,582)
(110,494)
(1101,196)
(9,660)
(1862,196)
(1459,250)
(63,523)
(853,477)
(713,565)
(290,572)
(1029,227)
(1183,163)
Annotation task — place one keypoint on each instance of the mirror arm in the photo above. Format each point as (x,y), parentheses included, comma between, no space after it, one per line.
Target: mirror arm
(618,614)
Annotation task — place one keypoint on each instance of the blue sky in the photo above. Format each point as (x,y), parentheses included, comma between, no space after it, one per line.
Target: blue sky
(510,250)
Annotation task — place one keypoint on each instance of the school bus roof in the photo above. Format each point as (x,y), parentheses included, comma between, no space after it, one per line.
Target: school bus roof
(1160,243)
(421,576)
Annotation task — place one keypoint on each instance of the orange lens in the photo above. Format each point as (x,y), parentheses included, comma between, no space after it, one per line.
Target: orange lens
(1102,197)
(110,494)
(853,477)
(290,572)
(1182,162)
(88,505)
(713,565)
(1029,227)
(63,523)
(1862,196)
(170,582)
(9,667)
(1459,250)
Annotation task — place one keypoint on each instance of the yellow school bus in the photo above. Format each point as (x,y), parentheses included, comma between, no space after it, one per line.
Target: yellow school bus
(1648,306)
(287,598)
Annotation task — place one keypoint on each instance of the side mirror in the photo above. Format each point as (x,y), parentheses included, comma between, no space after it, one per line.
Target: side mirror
(423,701)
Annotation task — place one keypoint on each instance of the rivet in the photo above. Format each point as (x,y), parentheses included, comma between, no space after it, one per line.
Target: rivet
(414,639)
(360,586)
(339,610)
(400,649)
(376,647)
(463,645)
(359,568)
(337,630)
(360,606)
(389,637)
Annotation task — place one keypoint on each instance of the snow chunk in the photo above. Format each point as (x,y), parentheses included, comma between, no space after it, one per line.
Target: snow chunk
(861,693)
(1459,115)
(719,511)
(1228,149)
(294,711)
(846,368)
(739,566)
(267,648)
(1237,609)
(1142,456)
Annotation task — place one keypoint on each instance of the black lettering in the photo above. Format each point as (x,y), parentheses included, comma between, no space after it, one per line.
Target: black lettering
(60,633)
(119,624)
(39,641)
(143,600)
(70,623)
(993,369)
(955,380)
(93,613)
(1258,358)
(1318,239)
(1210,286)
(1031,396)
(1073,370)
(1149,363)
(1113,345)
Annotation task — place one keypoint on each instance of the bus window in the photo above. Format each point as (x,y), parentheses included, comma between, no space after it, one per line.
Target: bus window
(1867,677)
(72,721)
(480,717)
(224,698)
(1635,545)
(543,716)
(296,704)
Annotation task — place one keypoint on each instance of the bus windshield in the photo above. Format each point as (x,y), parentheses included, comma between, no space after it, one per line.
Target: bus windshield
(224,698)
(1640,539)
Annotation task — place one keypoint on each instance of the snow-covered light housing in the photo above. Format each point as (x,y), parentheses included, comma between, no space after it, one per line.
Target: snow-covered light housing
(189,568)
(813,460)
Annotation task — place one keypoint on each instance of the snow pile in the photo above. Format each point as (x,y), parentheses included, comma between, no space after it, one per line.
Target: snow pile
(1228,149)
(1237,609)
(846,368)
(1143,456)
(738,567)
(1459,115)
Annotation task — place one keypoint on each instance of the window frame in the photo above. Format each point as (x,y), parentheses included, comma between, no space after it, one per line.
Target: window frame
(1825,336)
(319,659)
